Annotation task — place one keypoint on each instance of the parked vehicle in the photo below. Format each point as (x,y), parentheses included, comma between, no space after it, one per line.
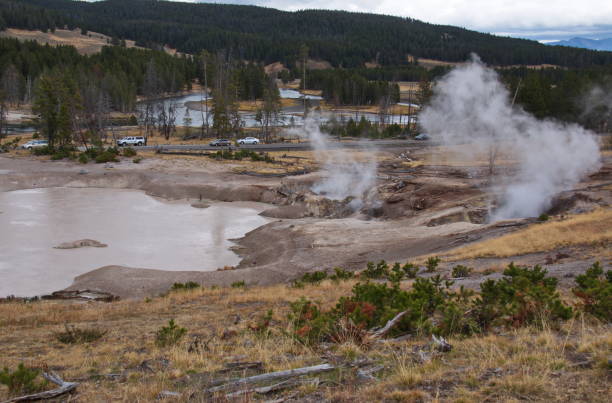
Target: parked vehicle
(131,141)
(422,136)
(220,143)
(248,140)
(35,144)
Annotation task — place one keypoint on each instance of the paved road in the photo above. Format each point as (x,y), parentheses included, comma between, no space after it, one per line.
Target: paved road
(290,146)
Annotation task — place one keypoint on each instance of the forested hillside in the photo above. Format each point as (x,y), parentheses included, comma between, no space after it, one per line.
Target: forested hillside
(116,72)
(267,35)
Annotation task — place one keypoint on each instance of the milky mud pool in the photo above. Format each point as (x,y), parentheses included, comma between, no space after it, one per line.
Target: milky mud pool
(139,231)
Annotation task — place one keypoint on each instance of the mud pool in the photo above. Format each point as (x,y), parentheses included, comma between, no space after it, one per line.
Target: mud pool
(140,231)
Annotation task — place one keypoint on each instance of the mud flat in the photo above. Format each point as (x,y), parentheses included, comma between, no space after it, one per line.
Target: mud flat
(424,210)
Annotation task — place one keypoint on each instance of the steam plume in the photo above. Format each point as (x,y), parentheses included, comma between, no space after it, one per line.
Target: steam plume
(470,105)
(346,176)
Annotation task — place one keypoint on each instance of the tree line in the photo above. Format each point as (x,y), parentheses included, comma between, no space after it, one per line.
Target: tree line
(344,39)
(116,71)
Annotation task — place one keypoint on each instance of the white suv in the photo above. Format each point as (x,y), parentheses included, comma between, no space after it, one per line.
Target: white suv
(131,141)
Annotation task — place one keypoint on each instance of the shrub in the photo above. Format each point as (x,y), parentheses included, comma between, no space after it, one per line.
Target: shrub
(190,285)
(22,380)
(137,160)
(169,335)
(524,296)
(74,335)
(129,152)
(461,271)
(396,274)
(41,150)
(106,156)
(314,277)
(309,323)
(239,284)
(83,159)
(543,217)
(379,270)
(9,145)
(410,270)
(595,290)
(262,326)
(341,274)
(432,264)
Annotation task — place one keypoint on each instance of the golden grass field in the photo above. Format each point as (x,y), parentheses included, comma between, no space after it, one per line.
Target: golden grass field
(514,365)
(592,229)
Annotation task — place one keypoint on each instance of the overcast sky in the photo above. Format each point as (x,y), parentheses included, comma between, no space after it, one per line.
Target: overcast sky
(508,16)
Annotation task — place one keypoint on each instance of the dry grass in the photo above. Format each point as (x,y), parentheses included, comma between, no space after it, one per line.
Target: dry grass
(84,44)
(593,228)
(525,364)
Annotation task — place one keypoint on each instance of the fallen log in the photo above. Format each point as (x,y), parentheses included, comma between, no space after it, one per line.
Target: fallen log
(291,373)
(390,324)
(64,387)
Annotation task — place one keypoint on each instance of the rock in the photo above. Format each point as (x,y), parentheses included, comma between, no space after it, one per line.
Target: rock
(82,243)
(83,295)
(200,205)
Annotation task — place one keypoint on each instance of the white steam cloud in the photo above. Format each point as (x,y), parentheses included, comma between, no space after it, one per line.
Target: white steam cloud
(471,106)
(346,175)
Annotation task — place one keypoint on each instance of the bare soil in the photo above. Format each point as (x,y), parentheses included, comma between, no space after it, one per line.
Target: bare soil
(423,210)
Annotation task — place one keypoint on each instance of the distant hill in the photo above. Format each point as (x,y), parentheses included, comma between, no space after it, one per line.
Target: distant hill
(344,39)
(586,43)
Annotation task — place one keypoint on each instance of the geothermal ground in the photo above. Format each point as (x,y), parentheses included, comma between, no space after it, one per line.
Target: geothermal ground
(424,201)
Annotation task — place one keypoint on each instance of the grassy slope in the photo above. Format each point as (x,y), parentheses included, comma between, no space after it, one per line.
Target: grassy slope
(526,364)
(593,229)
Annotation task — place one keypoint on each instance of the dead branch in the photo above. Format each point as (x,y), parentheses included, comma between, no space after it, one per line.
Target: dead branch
(64,387)
(441,344)
(265,389)
(292,373)
(390,324)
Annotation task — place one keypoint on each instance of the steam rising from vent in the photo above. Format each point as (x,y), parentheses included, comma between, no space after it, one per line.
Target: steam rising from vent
(346,175)
(471,106)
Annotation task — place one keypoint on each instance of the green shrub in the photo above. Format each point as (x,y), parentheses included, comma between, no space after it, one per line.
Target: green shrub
(341,274)
(432,264)
(106,156)
(262,326)
(169,335)
(22,380)
(239,284)
(379,270)
(74,335)
(9,145)
(129,152)
(83,159)
(41,150)
(314,277)
(190,285)
(543,217)
(410,270)
(524,296)
(137,160)
(595,290)
(309,324)
(396,274)
(460,271)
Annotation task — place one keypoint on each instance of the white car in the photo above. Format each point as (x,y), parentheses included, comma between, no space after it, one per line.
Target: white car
(248,140)
(131,141)
(35,144)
